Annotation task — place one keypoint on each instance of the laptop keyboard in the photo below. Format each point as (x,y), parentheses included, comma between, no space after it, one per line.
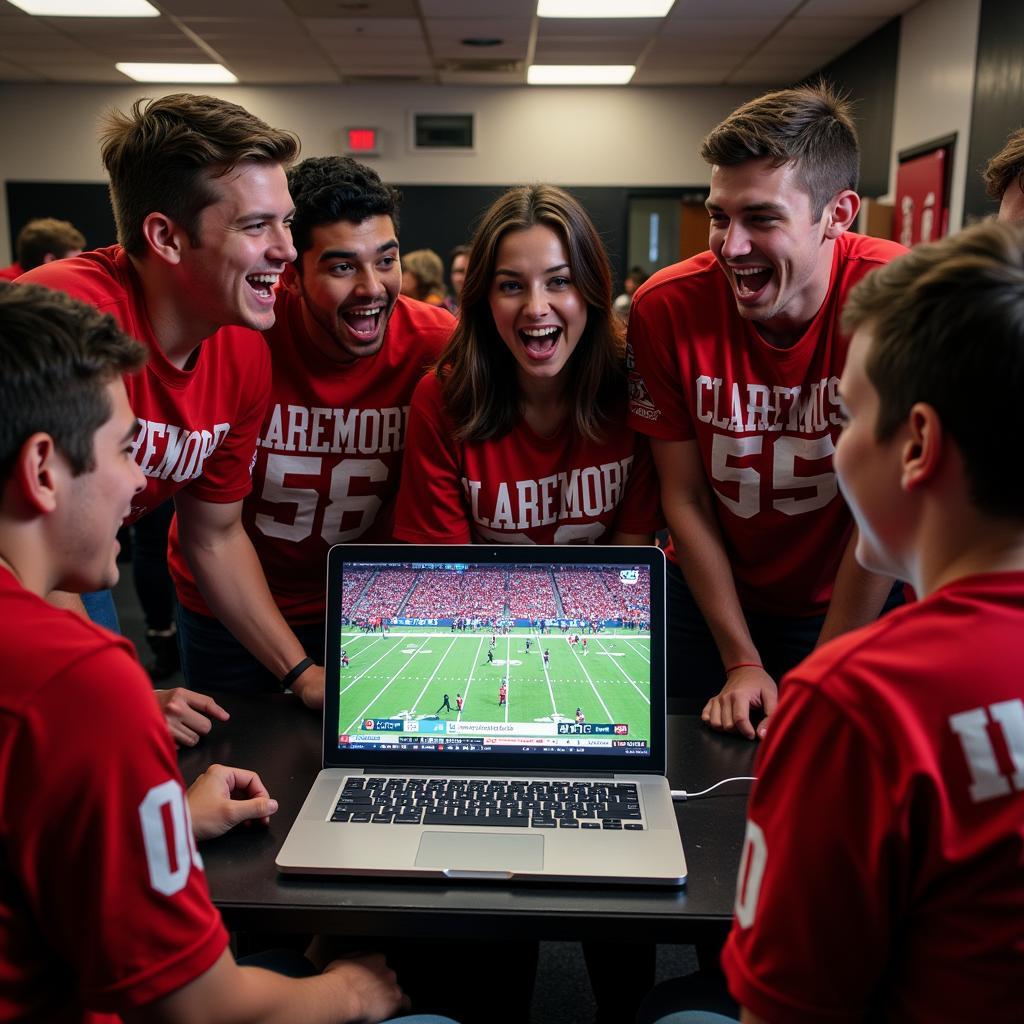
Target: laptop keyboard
(509,803)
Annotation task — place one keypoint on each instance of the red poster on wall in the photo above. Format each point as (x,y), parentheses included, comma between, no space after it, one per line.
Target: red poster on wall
(922,200)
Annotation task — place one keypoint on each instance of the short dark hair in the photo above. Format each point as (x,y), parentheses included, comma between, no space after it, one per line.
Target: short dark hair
(942,316)
(163,154)
(326,189)
(459,250)
(1006,167)
(57,356)
(478,373)
(810,127)
(43,236)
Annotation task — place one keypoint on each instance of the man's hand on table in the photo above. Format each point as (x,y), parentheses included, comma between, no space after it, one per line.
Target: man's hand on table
(186,711)
(745,688)
(223,797)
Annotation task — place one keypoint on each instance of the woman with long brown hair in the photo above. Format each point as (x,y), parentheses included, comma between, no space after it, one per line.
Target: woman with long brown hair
(519,435)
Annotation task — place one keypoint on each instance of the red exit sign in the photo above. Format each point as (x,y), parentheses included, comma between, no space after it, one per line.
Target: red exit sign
(361,140)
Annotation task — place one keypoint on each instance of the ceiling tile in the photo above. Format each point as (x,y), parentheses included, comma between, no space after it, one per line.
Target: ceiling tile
(684,76)
(591,52)
(830,28)
(884,9)
(737,11)
(476,9)
(462,27)
(320,27)
(453,49)
(483,77)
(374,10)
(762,79)
(251,9)
(610,28)
(707,29)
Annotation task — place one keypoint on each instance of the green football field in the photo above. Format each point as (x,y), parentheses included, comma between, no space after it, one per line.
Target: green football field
(407,672)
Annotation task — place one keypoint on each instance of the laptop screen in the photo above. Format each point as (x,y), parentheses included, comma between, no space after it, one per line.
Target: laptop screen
(456,657)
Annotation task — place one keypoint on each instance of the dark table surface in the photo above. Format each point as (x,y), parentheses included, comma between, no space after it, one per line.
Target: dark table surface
(280,739)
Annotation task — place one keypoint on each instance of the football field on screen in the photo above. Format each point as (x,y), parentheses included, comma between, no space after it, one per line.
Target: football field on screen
(407,672)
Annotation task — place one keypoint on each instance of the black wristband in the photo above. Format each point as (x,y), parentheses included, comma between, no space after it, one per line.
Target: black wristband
(295,673)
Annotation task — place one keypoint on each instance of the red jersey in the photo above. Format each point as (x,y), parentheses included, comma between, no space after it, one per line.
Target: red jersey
(765,420)
(521,488)
(883,870)
(103,902)
(11,273)
(329,453)
(197,427)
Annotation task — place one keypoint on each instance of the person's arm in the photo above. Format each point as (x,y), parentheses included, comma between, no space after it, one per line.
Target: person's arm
(223,797)
(686,500)
(857,597)
(363,989)
(748,1017)
(230,577)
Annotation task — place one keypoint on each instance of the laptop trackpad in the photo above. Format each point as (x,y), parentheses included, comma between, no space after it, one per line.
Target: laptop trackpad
(480,851)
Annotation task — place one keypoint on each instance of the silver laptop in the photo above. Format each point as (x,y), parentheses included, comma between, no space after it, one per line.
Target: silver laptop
(493,713)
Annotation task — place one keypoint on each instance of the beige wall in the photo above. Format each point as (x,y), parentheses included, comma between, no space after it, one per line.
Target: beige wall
(935,85)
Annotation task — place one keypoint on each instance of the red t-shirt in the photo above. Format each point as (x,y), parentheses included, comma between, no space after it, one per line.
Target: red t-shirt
(329,454)
(521,488)
(765,420)
(883,870)
(11,273)
(197,426)
(103,902)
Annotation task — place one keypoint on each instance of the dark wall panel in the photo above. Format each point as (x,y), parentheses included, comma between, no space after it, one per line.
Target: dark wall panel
(998,107)
(868,73)
(87,206)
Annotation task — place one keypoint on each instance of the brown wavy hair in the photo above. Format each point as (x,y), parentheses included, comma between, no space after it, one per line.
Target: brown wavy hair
(478,373)
(810,127)
(163,153)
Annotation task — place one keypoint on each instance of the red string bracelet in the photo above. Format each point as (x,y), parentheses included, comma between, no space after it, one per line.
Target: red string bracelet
(743,664)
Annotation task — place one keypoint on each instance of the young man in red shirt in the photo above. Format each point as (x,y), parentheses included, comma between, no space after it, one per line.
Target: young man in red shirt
(881,873)
(736,356)
(346,353)
(203,213)
(103,906)
(40,241)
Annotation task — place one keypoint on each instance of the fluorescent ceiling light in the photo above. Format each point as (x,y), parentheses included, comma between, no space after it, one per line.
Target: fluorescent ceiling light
(579,74)
(88,8)
(603,8)
(177,72)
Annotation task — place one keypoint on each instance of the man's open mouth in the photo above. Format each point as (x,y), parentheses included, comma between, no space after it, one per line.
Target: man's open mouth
(363,321)
(540,342)
(750,280)
(262,284)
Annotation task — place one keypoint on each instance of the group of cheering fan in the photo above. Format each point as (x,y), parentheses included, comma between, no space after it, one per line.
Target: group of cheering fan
(789,404)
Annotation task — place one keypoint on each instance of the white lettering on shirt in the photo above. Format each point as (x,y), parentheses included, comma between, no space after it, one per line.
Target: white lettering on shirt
(165,451)
(297,428)
(745,408)
(524,504)
(974,731)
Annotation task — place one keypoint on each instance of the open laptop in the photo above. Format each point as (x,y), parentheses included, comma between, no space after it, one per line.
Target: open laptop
(493,713)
